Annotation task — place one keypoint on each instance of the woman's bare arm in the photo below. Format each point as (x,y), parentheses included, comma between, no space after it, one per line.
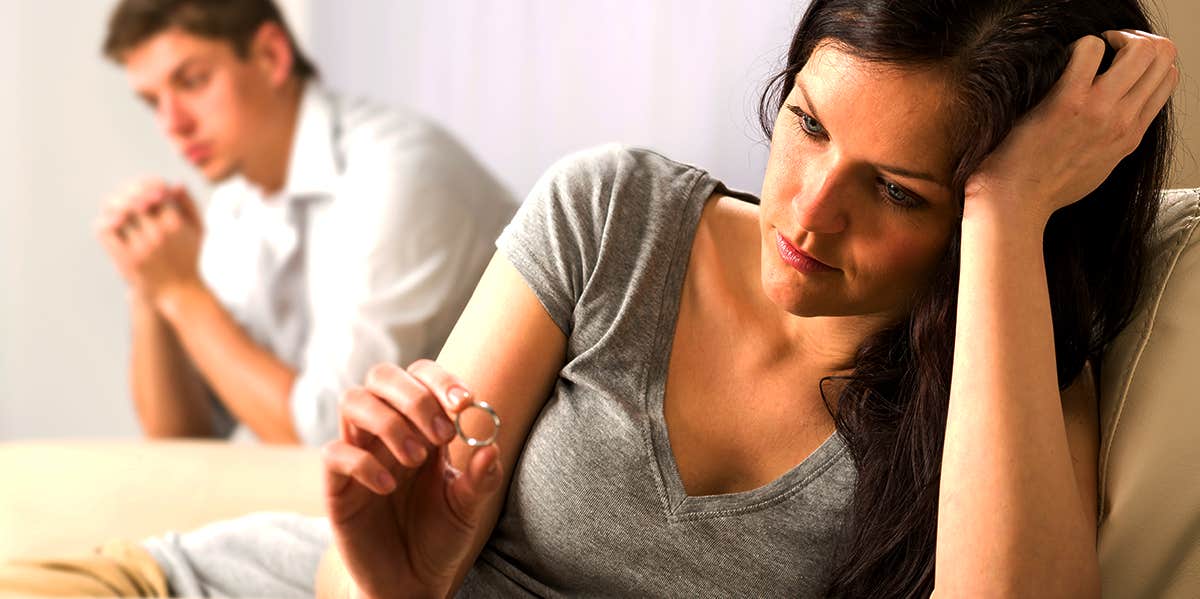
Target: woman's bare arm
(508,352)
(1010,519)
(1014,517)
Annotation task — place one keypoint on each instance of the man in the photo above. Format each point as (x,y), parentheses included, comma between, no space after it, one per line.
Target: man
(339,235)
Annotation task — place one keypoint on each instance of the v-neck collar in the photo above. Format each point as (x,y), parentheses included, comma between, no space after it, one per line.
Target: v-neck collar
(677,504)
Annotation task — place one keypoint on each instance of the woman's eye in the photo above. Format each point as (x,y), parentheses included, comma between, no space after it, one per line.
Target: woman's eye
(810,125)
(898,195)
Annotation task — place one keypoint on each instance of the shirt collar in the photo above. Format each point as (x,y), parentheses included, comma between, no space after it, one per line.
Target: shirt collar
(315,161)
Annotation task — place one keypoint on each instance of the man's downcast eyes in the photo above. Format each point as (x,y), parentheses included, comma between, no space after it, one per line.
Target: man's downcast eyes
(193,80)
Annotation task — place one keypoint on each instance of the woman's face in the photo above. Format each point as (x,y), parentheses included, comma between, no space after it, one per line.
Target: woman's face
(858,177)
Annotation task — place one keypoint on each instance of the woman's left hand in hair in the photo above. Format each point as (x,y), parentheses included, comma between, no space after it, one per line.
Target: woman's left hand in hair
(1065,147)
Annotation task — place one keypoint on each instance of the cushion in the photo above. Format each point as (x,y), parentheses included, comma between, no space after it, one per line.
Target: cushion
(1149,537)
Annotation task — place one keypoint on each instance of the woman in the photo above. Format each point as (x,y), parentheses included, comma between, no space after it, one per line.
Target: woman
(704,396)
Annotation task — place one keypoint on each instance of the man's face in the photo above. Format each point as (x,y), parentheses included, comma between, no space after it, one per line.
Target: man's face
(205,98)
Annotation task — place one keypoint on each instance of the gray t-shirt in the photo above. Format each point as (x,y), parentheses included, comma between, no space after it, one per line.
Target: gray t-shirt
(596,506)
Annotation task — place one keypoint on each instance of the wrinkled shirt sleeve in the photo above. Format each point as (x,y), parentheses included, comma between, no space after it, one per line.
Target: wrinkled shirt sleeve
(389,274)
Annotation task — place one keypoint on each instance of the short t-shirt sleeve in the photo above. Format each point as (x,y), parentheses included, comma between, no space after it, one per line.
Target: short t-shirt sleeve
(554,240)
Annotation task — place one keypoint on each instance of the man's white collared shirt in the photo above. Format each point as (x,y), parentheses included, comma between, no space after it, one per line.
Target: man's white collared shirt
(368,255)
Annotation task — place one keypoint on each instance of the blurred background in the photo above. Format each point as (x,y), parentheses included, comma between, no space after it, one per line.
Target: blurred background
(521,82)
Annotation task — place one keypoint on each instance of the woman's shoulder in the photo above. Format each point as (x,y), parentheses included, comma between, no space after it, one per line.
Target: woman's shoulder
(615,171)
(617,194)
(600,214)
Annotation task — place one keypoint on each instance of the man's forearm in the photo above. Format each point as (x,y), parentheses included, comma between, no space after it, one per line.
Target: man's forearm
(253,383)
(167,392)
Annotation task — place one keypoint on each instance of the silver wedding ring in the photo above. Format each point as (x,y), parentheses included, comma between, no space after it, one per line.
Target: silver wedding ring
(473,441)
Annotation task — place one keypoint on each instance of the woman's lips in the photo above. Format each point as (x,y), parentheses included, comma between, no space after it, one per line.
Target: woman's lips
(799,260)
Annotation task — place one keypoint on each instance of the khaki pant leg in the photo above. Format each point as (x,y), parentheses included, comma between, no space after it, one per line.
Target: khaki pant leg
(117,569)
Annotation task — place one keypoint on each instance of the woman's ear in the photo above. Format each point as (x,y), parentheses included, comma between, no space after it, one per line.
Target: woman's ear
(271,52)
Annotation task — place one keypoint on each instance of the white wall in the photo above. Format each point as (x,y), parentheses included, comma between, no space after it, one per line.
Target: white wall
(69,132)
(523,82)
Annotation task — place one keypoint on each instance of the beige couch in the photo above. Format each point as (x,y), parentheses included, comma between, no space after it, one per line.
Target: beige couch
(65,497)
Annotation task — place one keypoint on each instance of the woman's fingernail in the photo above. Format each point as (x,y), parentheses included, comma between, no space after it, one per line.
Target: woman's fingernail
(414,450)
(443,428)
(458,396)
(386,481)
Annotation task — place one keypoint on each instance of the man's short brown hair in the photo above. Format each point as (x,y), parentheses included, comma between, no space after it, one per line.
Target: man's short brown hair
(233,21)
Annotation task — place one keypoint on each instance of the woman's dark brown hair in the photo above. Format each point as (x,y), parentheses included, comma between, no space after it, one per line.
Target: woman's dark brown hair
(1002,57)
(232,21)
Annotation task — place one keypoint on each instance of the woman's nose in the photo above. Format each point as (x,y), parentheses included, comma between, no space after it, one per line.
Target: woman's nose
(821,203)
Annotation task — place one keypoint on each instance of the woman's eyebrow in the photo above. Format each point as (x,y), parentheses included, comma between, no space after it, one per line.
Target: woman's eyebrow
(808,101)
(903,172)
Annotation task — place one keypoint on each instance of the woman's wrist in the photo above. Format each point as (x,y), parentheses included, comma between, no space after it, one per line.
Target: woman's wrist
(1012,215)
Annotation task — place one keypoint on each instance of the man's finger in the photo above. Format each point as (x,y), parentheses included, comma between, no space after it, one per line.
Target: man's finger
(181,199)
(130,229)
(141,231)
(107,222)
(151,199)
(111,241)
(169,217)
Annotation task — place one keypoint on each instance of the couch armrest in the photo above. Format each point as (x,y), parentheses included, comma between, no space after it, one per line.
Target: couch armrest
(64,497)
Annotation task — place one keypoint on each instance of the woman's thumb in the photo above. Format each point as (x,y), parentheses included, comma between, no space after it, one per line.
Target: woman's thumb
(469,490)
